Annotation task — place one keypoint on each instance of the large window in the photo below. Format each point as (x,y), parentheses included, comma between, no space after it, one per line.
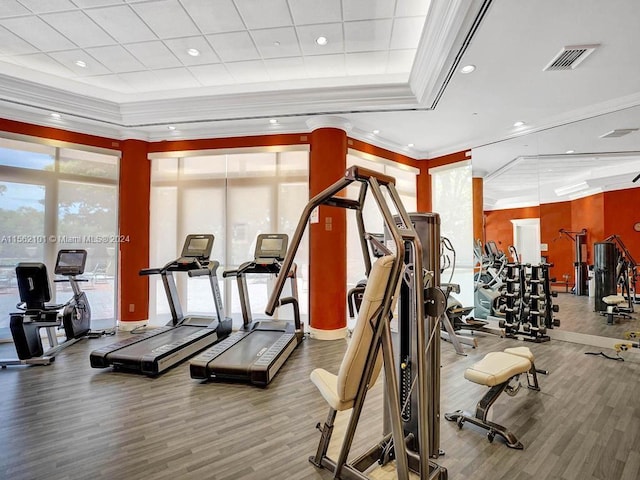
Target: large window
(235,197)
(405,185)
(452,195)
(52,198)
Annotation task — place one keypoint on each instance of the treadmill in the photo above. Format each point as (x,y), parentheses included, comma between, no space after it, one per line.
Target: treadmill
(256,352)
(159,349)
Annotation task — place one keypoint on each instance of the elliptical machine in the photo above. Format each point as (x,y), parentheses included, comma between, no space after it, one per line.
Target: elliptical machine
(36,313)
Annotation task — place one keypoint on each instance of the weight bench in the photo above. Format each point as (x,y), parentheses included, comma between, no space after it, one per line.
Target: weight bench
(613,307)
(500,371)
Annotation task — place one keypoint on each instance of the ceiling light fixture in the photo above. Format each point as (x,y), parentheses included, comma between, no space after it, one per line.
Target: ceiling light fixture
(321,41)
(273,121)
(81,63)
(410,145)
(376,131)
(569,189)
(194,52)
(55,115)
(276,43)
(467,69)
(171,127)
(570,151)
(519,123)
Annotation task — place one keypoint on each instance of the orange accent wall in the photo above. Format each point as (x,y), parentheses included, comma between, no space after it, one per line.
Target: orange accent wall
(328,237)
(560,248)
(231,142)
(588,212)
(135,187)
(498,226)
(51,133)
(621,212)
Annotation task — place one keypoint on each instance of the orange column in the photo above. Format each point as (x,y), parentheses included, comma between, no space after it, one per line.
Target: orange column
(135,184)
(478,209)
(327,238)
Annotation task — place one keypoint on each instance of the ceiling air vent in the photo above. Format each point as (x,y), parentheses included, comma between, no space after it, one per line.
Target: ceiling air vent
(619,132)
(570,57)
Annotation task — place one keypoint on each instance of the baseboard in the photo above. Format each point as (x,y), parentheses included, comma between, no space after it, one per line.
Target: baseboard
(128,326)
(320,334)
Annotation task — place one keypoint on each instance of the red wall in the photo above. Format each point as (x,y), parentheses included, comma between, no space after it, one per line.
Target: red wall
(561,249)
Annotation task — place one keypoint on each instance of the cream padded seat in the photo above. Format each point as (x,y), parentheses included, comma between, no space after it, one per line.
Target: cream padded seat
(496,368)
(340,390)
(614,299)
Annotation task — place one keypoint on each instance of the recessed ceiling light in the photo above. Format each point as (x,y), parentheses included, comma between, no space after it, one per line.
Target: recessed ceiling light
(321,40)
(376,131)
(55,115)
(171,127)
(273,121)
(519,123)
(276,43)
(570,151)
(467,69)
(410,145)
(81,63)
(194,52)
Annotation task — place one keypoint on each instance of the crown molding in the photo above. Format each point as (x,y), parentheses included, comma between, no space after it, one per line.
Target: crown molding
(448,23)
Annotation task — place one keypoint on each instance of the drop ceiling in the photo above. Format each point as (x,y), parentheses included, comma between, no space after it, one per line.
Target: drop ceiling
(121,68)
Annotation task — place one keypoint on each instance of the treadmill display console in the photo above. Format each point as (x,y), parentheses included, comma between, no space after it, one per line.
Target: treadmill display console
(271,246)
(196,247)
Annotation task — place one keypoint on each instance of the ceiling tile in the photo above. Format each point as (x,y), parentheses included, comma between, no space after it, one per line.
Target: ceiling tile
(332,31)
(11,44)
(166,18)
(109,82)
(78,28)
(325,66)
(232,47)
(97,3)
(68,58)
(214,16)
(285,68)
(153,54)
(141,81)
(260,14)
(276,42)
(43,63)
(411,8)
(11,8)
(406,32)
(370,63)
(306,12)
(367,9)
(212,75)
(401,61)
(122,24)
(179,47)
(42,6)
(367,35)
(37,33)
(115,58)
(175,79)
(248,72)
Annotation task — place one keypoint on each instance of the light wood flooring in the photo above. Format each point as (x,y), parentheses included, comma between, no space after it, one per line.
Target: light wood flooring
(69,421)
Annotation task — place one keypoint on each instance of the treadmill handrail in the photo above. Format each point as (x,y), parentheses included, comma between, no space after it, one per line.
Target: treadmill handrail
(209,270)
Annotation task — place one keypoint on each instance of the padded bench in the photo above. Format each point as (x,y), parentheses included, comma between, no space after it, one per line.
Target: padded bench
(500,371)
(613,307)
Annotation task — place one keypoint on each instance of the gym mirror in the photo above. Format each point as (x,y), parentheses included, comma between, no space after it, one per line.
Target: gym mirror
(544,189)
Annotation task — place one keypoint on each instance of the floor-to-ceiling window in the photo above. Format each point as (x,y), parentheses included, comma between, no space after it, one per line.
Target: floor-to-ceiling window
(405,185)
(54,197)
(451,187)
(235,196)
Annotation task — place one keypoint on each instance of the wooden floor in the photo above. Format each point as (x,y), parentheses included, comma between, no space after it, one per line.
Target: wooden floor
(69,421)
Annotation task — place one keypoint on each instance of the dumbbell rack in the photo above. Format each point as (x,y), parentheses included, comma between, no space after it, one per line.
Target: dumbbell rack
(537,303)
(512,306)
